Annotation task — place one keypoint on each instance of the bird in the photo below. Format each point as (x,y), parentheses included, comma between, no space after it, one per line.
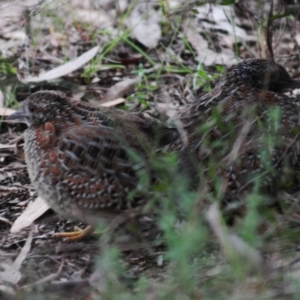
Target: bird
(85,161)
(243,133)
(247,81)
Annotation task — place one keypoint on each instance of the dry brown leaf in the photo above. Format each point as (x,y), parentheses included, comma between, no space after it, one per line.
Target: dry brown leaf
(205,55)
(119,89)
(34,210)
(65,69)
(10,12)
(24,252)
(113,102)
(144,22)
(99,18)
(10,272)
(168,109)
(15,35)
(222,18)
(6,111)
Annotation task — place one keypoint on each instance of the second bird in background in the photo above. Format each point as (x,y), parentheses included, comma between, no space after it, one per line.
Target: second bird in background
(244,133)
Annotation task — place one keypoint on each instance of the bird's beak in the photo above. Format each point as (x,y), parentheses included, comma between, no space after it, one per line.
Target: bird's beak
(18,116)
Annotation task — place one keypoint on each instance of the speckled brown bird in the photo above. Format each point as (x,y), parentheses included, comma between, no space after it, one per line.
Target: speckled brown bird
(250,82)
(85,161)
(244,131)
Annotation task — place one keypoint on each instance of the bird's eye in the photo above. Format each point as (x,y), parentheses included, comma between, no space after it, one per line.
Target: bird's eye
(32,109)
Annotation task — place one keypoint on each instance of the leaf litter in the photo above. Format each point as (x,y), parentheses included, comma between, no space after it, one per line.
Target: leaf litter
(55,58)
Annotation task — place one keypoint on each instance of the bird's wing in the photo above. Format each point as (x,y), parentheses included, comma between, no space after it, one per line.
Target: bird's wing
(99,169)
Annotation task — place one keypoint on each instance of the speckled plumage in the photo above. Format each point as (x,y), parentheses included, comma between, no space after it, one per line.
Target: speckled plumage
(246,125)
(250,82)
(83,160)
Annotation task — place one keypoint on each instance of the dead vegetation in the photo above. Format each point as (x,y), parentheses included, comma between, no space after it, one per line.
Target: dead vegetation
(150,56)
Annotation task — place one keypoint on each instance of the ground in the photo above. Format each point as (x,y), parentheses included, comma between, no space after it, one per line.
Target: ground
(151,57)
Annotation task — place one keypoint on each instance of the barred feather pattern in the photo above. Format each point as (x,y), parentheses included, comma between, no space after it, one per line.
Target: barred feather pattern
(238,111)
(83,160)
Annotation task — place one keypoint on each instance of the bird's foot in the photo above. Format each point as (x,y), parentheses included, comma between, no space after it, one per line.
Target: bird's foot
(76,235)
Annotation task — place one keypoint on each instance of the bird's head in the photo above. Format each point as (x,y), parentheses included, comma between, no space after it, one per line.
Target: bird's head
(265,74)
(40,107)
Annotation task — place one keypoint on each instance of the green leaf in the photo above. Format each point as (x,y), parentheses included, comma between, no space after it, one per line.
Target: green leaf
(227,2)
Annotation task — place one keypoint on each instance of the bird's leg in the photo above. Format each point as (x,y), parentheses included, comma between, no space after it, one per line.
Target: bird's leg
(76,235)
(79,234)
